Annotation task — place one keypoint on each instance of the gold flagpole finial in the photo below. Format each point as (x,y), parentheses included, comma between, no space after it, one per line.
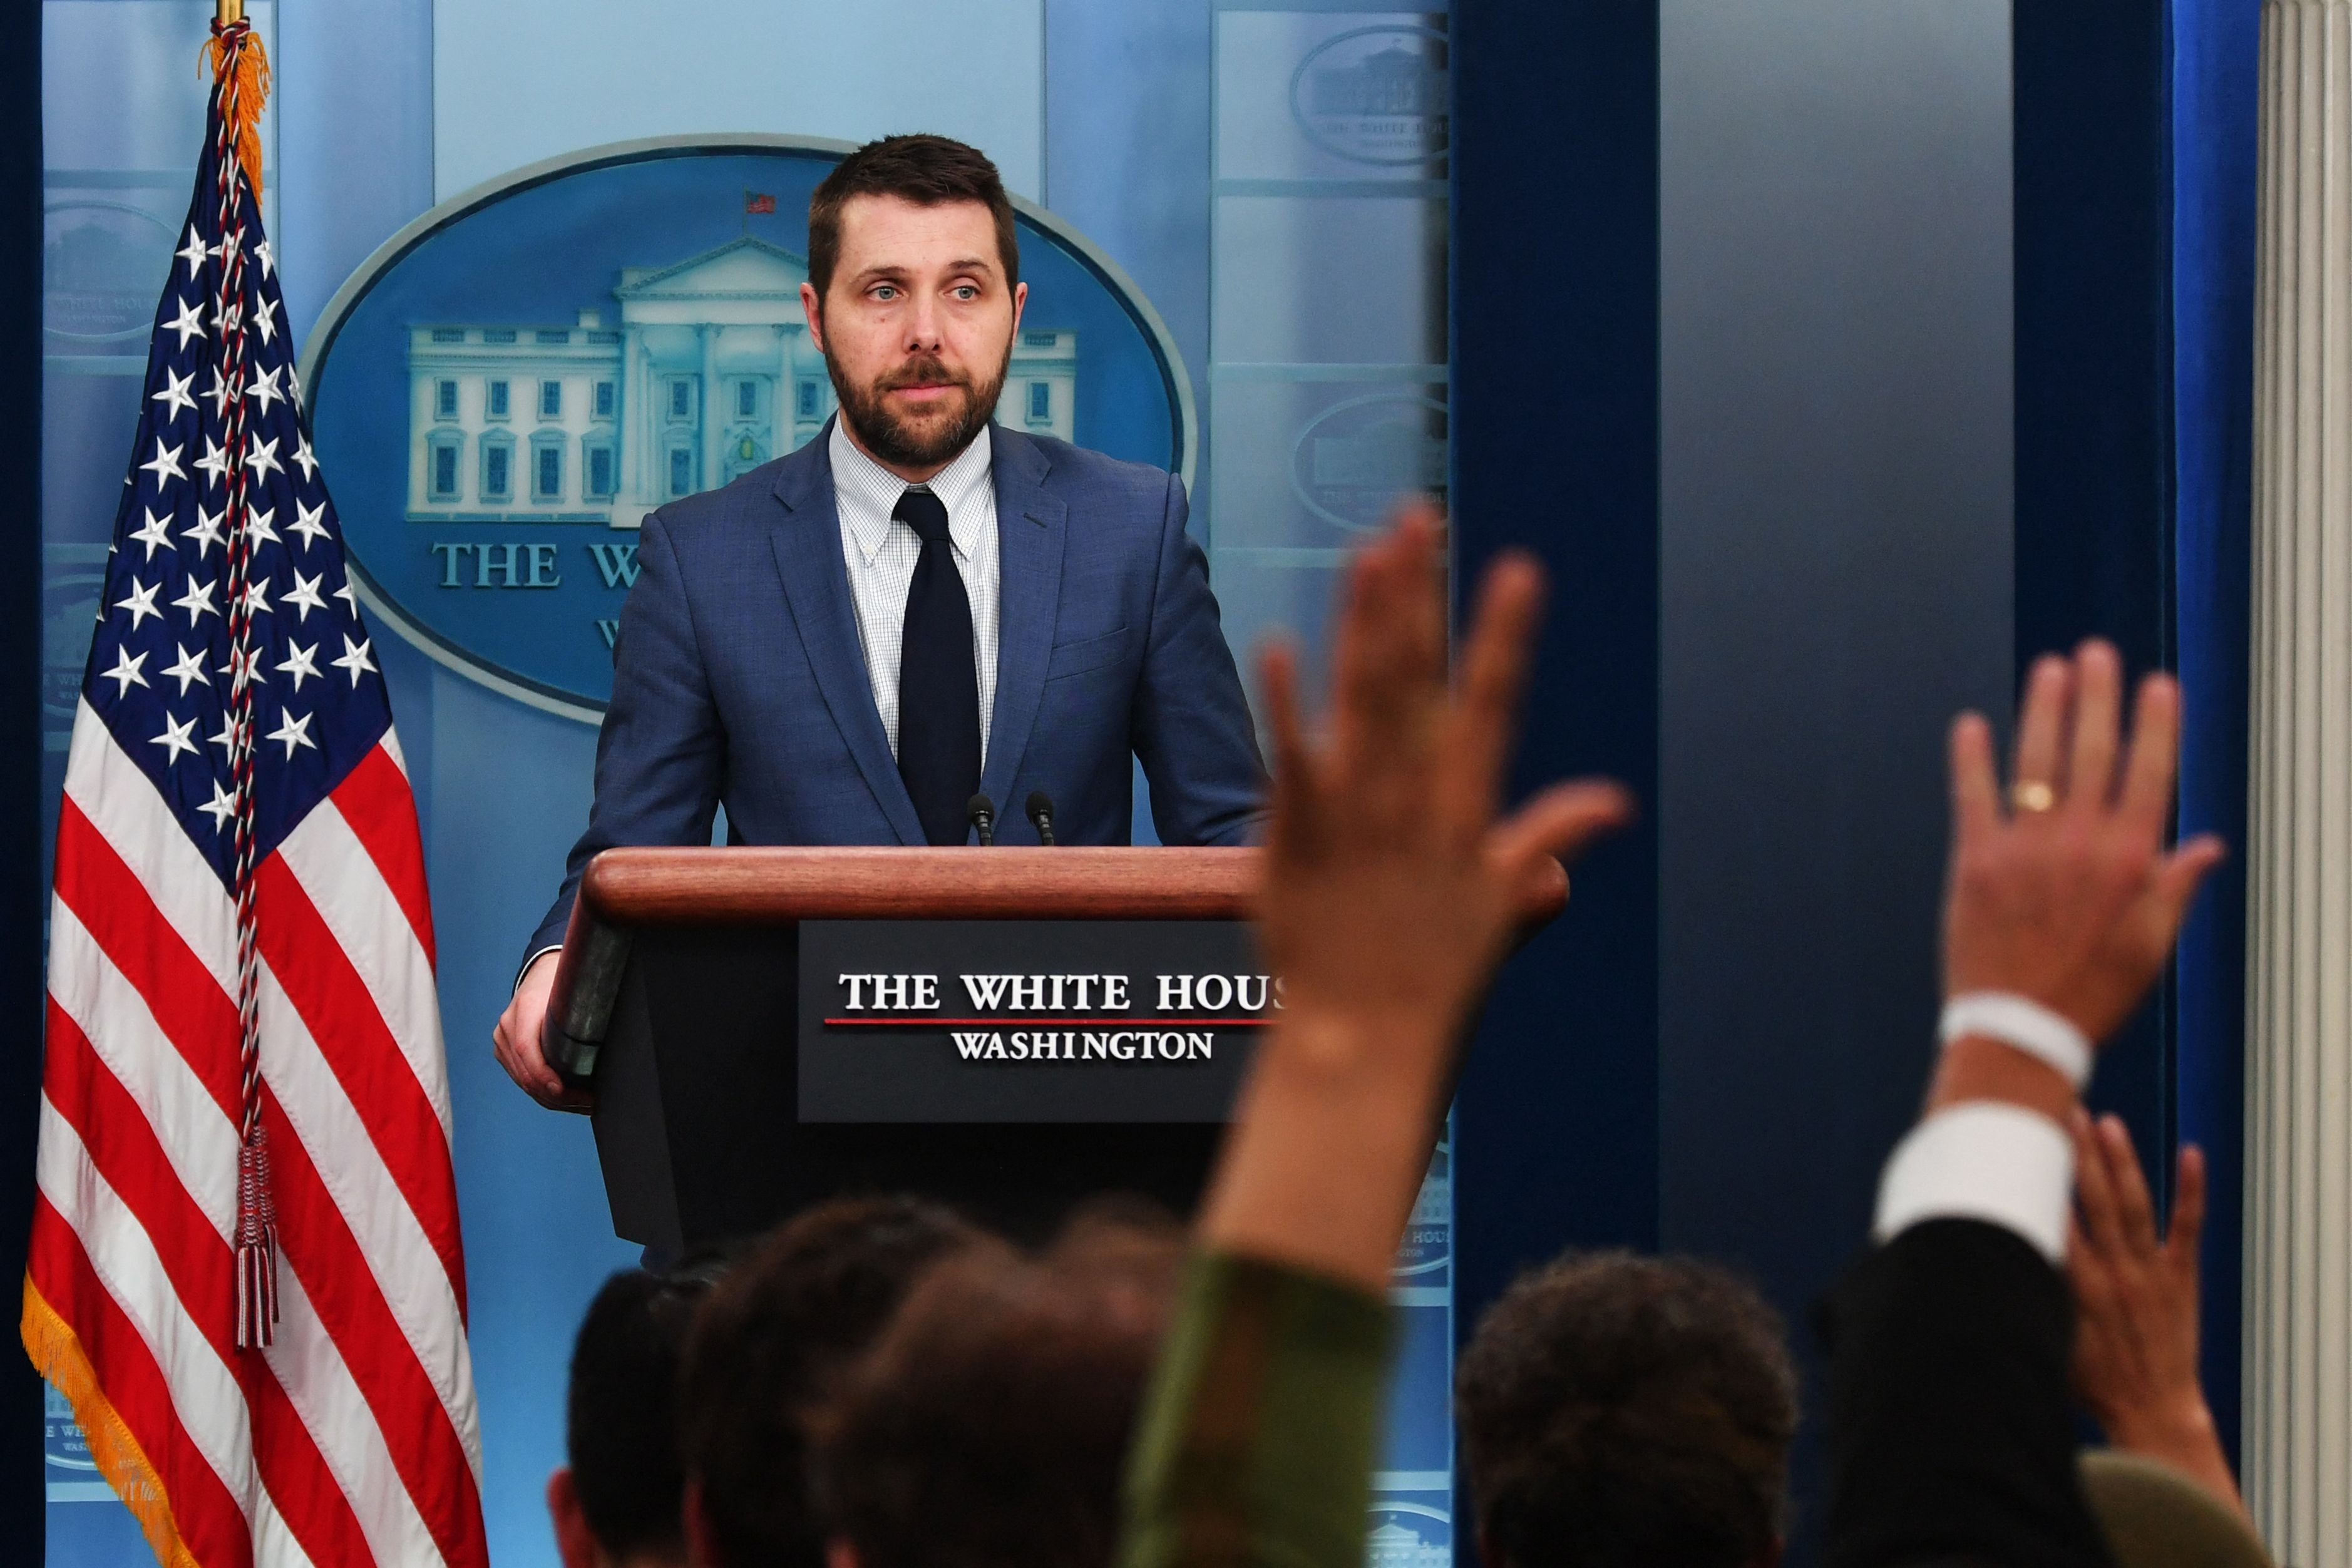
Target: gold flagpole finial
(227,12)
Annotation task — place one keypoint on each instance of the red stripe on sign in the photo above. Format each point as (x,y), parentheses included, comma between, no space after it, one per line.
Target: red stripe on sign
(376,799)
(202,1510)
(200,1266)
(107,896)
(341,1013)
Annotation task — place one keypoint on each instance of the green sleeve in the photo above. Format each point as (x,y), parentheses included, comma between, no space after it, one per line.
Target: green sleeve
(1257,1440)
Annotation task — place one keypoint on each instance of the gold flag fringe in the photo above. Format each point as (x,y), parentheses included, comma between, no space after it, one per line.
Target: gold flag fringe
(58,1356)
(251,91)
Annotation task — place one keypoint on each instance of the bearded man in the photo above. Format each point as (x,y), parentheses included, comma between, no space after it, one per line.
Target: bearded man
(845,645)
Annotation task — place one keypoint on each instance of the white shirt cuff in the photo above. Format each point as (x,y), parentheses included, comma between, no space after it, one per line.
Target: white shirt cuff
(527,962)
(1983,1160)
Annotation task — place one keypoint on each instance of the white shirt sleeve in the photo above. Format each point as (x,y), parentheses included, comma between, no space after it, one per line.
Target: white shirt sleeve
(1984,1160)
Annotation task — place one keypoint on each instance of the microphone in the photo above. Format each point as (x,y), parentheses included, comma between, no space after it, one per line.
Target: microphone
(982,812)
(1040,807)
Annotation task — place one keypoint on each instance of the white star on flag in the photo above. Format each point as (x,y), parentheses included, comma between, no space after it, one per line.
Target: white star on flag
(194,252)
(177,737)
(155,533)
(166,464)
(265,321)
(189,323)
(142,603)
(302,458)
(356,659)
(309,521)
(125,674)
(303,666)
(222,393)
(261,254)
(305,596)
(264,390)
(229,739)
(260,526)
(243,669)
(197,601)
(344,594)
(207,531)
(261,457)
(175,395)
(214,462)
(256,597)
(190,668)
(221,807)
(294,732)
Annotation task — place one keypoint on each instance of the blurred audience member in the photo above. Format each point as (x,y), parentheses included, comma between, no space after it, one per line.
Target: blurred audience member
(616,1503)
(2136,1307)
(769,1347)
(1625,1410)
(1950,1433)
(989,1425)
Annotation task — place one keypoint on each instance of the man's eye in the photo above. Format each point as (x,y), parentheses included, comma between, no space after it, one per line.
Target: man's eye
(966,291)
(886,291)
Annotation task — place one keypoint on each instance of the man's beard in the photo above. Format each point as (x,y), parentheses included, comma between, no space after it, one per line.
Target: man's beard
(932,443)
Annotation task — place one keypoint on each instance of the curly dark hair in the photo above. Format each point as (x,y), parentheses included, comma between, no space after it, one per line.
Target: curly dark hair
(1620,1411)
(769,1344)
(988,1427)
(924,170)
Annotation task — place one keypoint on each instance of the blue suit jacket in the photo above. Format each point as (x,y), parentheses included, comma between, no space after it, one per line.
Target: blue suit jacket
(738,675)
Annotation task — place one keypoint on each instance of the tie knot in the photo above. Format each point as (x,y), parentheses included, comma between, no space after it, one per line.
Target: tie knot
(923,512)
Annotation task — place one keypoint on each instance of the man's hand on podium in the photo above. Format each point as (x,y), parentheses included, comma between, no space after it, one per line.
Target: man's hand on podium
(517,1036)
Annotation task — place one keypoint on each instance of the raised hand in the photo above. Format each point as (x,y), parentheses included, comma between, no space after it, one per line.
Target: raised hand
(1391,885)
(2064,894)
(2136,1307)
(1388,902)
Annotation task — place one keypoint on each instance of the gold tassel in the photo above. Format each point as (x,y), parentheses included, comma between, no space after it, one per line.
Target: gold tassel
(251,92)
(58,1356)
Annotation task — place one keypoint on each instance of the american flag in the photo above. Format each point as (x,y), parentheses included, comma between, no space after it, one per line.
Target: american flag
(245,1271)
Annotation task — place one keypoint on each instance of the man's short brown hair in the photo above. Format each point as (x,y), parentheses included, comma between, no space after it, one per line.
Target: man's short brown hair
(767,1348)
(925,170)
(988,1427)
(1625,1412)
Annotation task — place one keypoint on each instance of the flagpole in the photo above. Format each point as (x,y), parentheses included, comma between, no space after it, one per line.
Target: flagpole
(227,12)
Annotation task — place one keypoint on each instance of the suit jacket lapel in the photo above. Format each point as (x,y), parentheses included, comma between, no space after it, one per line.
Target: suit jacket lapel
(806,537)
(1029,532)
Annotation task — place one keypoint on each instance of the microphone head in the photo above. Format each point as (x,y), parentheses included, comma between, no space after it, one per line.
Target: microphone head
(1039,804)
(980,809)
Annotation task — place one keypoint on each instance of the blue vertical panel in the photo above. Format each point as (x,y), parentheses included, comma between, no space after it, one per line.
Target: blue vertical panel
(21,892)
(1554,278)
(2216,56)
(122,109)
(1834,515)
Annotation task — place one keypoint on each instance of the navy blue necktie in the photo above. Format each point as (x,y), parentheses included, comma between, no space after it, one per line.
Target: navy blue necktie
(939,690)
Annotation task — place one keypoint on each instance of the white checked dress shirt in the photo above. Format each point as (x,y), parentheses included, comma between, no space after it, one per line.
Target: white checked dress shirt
(881,552)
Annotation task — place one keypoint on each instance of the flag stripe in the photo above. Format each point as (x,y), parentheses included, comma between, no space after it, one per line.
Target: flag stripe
(122,1146)
(73,1231)
(369,927)
(431,1460)
(400,1257)
(352,1038)
(374,799)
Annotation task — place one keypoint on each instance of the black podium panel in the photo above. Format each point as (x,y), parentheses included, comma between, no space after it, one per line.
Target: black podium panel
(698,1133)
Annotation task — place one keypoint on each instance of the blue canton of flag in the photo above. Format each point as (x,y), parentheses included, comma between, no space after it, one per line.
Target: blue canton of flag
(164,666)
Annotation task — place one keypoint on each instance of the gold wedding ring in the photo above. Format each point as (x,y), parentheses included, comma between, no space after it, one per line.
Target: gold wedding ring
(2031,795)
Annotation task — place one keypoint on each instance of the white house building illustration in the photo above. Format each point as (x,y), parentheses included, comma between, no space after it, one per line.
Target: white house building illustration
(707,371)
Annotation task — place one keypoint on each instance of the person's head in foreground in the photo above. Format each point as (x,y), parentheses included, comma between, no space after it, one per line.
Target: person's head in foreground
(989,1427)
(768,1347)
(616,1503)
(1628,1412)
(913,294)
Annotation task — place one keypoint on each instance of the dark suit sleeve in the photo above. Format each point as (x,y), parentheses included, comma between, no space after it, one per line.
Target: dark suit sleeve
(1950,1433)
(661,752)
(1191,723)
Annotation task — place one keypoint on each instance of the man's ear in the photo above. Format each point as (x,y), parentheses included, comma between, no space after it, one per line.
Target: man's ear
(575,1543)
(1020,301)
(812,308)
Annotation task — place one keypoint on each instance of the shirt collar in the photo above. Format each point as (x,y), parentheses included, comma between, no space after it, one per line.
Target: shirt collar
(878,489)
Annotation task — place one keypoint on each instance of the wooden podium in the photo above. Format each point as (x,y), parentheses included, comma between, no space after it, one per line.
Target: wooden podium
(674,1016)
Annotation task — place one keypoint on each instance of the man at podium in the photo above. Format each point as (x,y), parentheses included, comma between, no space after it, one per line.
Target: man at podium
(918,611)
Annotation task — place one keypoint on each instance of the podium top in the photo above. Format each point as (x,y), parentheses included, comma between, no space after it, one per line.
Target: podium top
(763,885)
